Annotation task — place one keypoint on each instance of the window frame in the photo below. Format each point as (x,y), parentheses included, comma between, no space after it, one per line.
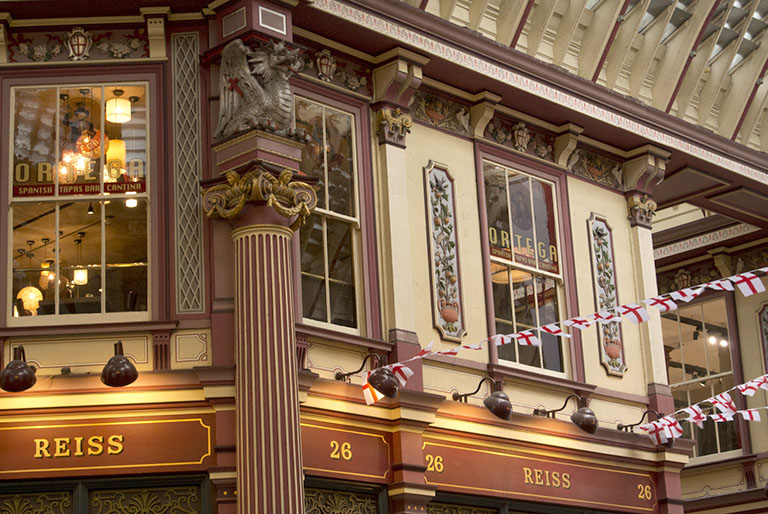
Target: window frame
(363,238)
(150,76)
(737,372)
(571,353)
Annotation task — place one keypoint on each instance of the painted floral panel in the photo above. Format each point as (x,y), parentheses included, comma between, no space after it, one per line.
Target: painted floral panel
(444,262)
(604,273)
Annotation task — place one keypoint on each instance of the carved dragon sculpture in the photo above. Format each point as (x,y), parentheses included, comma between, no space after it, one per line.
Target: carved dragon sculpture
(254,89)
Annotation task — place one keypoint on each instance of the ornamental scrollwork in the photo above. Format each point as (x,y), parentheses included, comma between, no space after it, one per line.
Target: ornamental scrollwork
(288,198)
(641,209)
(179,500)
(393,126)
(37,503)
(444,508)
(317,501)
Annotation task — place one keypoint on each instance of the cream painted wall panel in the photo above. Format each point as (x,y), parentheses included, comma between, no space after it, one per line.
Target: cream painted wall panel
(712,482)
(584,199)
(458,155)
(190,348)
(326,359)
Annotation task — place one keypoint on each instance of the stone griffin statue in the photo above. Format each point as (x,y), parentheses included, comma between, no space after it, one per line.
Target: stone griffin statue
(253,88)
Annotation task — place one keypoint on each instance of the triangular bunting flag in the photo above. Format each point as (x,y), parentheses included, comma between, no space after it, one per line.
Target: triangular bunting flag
(748,283)
(633,312)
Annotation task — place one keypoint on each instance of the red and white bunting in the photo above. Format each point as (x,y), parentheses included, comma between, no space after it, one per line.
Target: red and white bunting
(696,415)
(748,388)
(720,285)
(656,431)
(580,323)
(472,347)
(761,382)
(750,414)
(721,418)
(424,351)
(500,339)
(661,303)
(527,338)
(634,312)
(401,372)
(724,403)
(605,317)
(453,352)
(686,295)
(748,283)
(370,394)
(674,430)
(555,330)
(763,270)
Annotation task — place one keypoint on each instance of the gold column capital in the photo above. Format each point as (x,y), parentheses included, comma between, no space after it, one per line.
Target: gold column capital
(262,183)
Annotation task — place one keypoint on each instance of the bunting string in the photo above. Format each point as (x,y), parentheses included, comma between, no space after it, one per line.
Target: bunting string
(748,284)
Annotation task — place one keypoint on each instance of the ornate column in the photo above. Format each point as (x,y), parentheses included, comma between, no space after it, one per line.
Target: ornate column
(266,204)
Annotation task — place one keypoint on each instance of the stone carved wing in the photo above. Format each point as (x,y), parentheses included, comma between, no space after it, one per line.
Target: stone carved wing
(240,94)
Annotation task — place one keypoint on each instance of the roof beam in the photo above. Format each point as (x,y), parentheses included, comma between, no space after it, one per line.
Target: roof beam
(542,13)
(719,70)
(753,112)
(678,50)
(566,29)
(650,42)
(511,21)
(446,8)
(735,101)
(476,11)
(596,38)
(618,50)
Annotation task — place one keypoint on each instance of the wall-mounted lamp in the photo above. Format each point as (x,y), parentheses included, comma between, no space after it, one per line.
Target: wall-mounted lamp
(119,371)
(498,402)
(383,380)
(17,375)
(583,418)
(631,428)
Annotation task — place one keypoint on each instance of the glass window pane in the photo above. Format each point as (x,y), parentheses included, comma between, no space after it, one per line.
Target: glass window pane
(692,341)
(313,269)
(507,351)
(718,340)
(549,313)
(309,116)
(34,265)
(496,208)
(521,216)
(340,158)
(80,258)
(341,273)
(544,215)
(728,432)
(126,254)
(522,287)
(81,140)
(34,142)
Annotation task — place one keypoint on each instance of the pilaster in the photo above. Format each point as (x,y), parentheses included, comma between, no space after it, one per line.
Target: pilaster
(396,78)
(641,173)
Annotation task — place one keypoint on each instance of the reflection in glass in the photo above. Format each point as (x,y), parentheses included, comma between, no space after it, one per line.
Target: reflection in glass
(126,255)
(341,273)
(313,269)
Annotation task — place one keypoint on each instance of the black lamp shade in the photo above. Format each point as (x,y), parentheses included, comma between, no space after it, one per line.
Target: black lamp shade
(586,420)
(17,375)
(119,371)
(499,404)
(384,381)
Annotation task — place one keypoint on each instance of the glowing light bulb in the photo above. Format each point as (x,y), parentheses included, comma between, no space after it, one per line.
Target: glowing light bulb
(712,340)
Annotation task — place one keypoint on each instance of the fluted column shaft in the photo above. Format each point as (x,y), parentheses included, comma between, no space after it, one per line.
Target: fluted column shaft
(269,478)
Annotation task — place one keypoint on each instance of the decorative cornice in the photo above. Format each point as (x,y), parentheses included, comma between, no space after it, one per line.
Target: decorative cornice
(641,208)
(393,126)
(718,236)
(257,183)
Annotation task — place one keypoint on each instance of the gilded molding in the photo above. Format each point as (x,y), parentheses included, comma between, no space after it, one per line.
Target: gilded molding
(288,198)
(393,126)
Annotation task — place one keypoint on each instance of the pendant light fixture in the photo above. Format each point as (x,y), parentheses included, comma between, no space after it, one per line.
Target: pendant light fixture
(90,208)
(80,274)
(118,109)
(119,371)
(30,295)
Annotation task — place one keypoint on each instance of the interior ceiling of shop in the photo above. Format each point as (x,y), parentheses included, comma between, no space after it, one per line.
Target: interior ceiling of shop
(699,60)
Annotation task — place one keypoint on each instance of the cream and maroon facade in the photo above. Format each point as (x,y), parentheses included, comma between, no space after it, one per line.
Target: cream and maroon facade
(236,408)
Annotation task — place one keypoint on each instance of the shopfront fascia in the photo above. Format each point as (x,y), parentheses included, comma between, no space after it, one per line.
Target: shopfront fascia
(466,457)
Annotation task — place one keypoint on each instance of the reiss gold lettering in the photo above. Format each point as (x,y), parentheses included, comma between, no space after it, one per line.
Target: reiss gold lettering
(59,447)
(546,478)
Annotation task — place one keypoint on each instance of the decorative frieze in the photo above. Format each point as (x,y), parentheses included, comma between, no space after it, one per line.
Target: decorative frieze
(600,168)
(394,126)
(335,68)
(447,305)
(706,271)
(77,45)
(604,275)
(440,111)
(520,136)
(641,209)
(53,502)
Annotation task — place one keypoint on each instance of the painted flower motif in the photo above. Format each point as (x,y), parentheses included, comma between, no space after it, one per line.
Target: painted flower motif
(104,47)
(56,50)
(120,50)
(24,48)
(134,43)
